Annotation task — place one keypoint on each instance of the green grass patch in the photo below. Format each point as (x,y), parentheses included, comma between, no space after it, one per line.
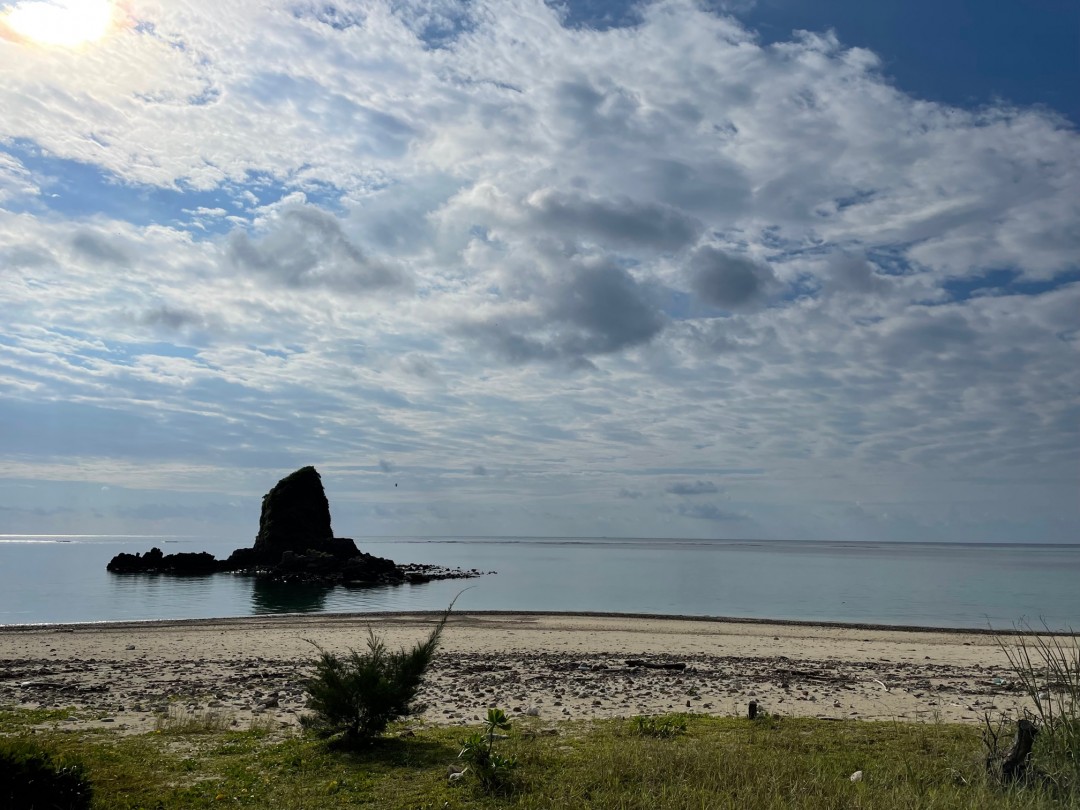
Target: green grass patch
(13,720)
(714,763)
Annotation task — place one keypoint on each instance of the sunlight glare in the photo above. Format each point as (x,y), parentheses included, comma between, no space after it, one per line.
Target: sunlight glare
(66,23)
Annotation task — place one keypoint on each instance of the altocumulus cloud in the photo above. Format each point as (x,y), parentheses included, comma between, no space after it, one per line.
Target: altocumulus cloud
(301,245)
(693,488)
(286,233)
(730,282)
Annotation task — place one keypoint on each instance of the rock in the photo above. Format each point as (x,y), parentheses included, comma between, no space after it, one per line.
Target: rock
(154,562)
(295,516)
(295,546)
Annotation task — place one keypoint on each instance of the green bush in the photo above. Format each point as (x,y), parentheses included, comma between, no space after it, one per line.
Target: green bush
(354,697)
(31,778)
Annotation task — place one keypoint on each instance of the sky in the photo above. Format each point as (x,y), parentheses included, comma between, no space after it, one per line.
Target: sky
(773,269)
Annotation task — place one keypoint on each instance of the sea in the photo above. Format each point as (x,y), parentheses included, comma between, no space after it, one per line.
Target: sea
(62,579)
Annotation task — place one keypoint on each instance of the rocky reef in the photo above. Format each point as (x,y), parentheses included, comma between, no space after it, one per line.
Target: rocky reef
(295,544)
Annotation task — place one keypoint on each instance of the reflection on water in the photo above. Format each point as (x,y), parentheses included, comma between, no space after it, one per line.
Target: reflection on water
(277,597)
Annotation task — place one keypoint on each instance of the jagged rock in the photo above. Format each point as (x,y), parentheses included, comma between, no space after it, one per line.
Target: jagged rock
(154,562)
(242,559)
(295,516)
(369,568)
(342,548)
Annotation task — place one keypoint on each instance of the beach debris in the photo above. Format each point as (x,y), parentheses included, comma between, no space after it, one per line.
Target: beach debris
(533,711)
(788,673)
(752,710)
(856,777)
(880,683)
(455,772)
(640,662)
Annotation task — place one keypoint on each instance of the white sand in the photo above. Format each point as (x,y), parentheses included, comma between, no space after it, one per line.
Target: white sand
(561,666)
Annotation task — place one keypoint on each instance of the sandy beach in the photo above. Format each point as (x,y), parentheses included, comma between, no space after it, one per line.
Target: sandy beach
(554,666)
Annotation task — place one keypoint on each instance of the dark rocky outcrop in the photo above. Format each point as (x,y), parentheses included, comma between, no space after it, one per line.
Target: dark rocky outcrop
(295,516)
(155,562)
(295,544)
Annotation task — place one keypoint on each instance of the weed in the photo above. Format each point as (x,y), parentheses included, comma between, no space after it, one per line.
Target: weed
(1047,668)
(660,727)
(493,769)
(182,721)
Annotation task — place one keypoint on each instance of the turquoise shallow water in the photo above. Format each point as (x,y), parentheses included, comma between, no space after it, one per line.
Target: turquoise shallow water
(63,579)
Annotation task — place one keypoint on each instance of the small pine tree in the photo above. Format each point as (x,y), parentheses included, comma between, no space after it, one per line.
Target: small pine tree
(357,695)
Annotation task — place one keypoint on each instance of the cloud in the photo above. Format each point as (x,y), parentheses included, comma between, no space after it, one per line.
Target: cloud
(429,233)
(620,222)
(479,469)
(693,488)
(848,272)
(708,511)
(94,246)
(172,318)
(16,181)
(730,282)
(304,246)
(386,466)
(589,306)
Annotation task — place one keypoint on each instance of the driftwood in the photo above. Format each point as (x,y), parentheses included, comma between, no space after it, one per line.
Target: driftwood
(1014,766)
(637,662)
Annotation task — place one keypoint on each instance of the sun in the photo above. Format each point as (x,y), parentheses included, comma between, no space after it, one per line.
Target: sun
(65,23)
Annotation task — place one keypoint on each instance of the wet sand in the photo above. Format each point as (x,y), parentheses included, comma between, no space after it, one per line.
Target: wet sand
(554,666)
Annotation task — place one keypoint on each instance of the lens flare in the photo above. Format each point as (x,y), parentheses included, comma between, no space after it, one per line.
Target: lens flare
(64,23)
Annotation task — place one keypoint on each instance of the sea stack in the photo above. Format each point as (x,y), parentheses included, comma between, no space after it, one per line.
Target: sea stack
(295,544)
(295,516)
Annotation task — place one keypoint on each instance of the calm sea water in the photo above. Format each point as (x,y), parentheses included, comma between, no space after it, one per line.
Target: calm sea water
(63,579)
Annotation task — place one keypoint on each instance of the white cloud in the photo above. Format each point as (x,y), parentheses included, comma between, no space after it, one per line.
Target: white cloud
(574,254)
(16,181)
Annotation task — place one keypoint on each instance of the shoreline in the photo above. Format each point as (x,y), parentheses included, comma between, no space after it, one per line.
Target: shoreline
(128,675)
(587,614)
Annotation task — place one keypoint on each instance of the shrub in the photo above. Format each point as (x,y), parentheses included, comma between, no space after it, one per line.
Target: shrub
(494,770)
(31,777)
(355,697)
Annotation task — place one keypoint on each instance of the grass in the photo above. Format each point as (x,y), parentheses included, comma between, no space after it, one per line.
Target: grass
(1047,669)
(24,719)
(180,721)
(661,727)
(715,763)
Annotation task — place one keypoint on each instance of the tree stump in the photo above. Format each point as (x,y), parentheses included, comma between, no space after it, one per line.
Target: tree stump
(1014,766)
